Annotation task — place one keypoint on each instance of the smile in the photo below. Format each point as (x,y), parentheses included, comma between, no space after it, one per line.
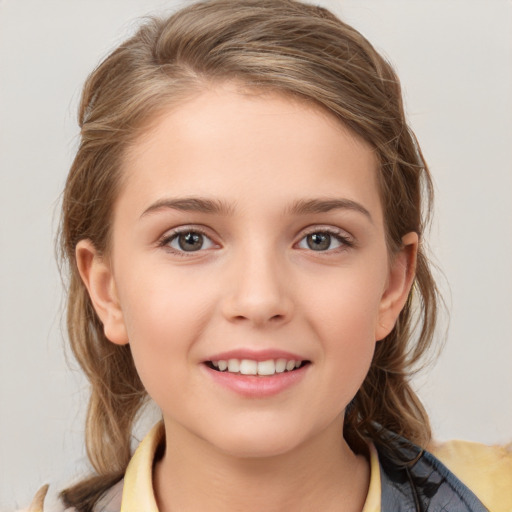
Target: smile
(253,367)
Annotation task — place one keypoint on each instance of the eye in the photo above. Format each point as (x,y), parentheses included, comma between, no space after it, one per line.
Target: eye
(324,241)
(188,241)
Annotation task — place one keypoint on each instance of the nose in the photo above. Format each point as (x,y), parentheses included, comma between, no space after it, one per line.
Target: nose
(259,291)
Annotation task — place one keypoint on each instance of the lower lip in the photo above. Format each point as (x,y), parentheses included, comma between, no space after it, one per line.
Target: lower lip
(254,386)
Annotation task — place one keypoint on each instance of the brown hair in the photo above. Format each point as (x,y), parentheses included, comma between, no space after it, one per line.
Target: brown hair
(277,45)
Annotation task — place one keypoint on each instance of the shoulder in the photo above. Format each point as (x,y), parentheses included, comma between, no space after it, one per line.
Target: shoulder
(111,500)
(44,501)
(457,476)
(486,470)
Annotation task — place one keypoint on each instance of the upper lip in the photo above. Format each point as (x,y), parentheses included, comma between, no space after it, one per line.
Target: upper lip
(256,355)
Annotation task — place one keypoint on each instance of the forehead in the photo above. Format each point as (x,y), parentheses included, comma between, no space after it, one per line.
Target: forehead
(246,146)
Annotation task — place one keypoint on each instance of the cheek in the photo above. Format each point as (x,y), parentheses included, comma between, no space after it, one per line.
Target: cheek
(344,318)
(349,344)
(163,304)
(164,316)
(346,306)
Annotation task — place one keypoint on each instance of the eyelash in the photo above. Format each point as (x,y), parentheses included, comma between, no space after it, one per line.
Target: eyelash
(344,239)
(168,238)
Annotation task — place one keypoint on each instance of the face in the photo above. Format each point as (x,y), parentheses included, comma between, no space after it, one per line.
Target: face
(249,270)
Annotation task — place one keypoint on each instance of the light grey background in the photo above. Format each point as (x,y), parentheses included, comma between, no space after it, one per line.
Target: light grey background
(455,61)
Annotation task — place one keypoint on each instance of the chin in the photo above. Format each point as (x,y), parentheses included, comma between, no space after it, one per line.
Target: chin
(257,442)
(248,448)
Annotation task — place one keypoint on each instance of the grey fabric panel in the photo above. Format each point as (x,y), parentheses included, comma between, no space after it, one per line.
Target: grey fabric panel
(422,485)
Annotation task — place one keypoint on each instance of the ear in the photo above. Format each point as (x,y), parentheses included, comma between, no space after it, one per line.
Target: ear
(97,276)
(401,277)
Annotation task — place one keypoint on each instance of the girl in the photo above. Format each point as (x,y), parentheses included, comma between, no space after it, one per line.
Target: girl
(242,226)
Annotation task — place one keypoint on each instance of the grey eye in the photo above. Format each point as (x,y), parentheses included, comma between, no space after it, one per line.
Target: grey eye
(190,241)
(320,241)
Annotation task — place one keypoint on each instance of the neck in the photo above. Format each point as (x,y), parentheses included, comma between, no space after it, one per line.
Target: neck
(322,474)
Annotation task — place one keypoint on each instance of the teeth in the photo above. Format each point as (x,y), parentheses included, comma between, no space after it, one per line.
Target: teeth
(233,366)
(251,367)
(267,367)
(280,365)
(248,367)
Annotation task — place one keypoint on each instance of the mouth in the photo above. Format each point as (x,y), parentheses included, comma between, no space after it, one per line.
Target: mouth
(265,368)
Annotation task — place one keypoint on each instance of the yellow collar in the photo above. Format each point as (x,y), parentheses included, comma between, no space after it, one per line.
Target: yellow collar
(138,480)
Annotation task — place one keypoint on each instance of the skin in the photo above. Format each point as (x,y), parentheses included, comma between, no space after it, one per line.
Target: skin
(255,284)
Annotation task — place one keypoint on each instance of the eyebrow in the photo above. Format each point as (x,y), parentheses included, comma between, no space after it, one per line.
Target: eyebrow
(309,206)
(191,204)
(217,207)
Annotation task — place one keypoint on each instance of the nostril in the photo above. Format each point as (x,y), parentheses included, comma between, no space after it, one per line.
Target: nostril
(257,306)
